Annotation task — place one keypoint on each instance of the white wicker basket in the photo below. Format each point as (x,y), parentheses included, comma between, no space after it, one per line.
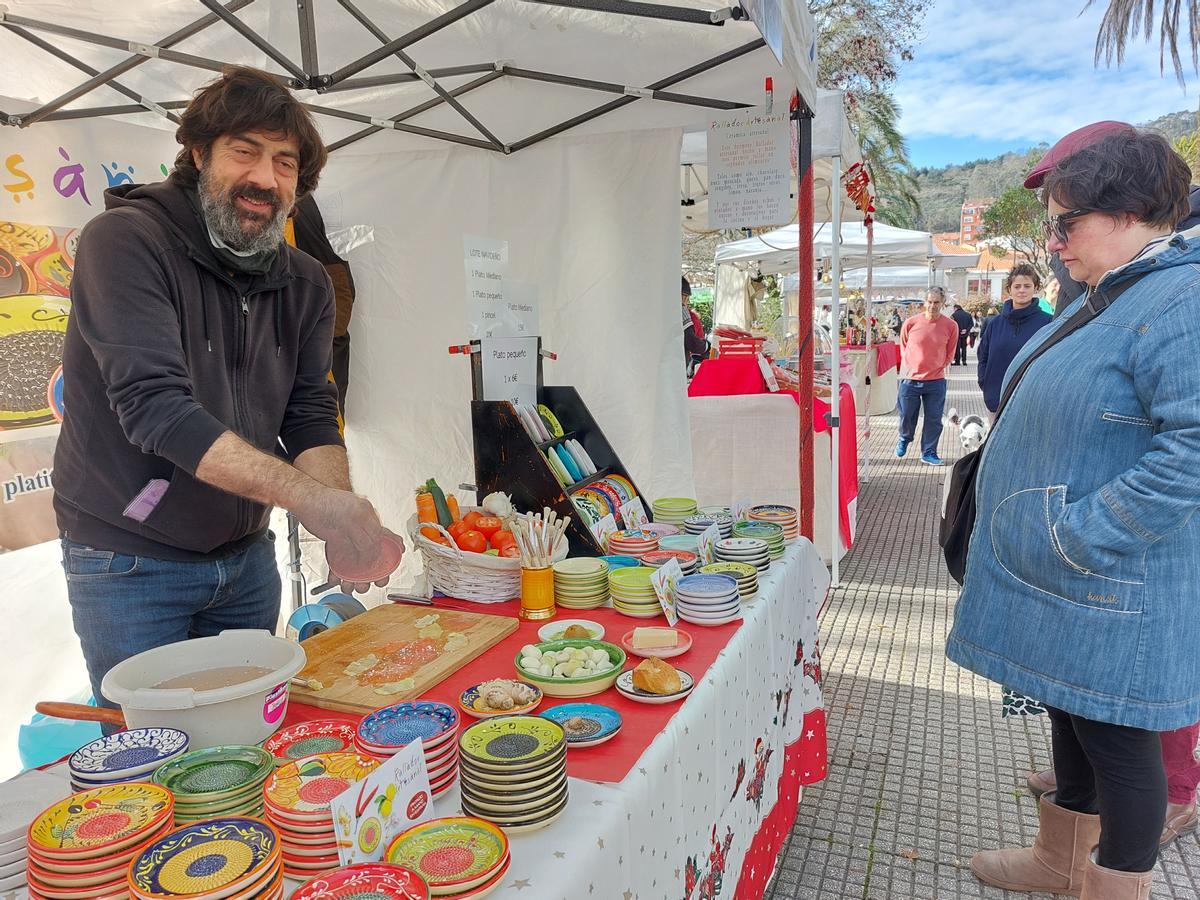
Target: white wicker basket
(477,577)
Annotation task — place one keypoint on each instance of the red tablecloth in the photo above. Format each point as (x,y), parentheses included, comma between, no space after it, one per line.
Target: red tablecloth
(732,375)
(887,355)
(641,722)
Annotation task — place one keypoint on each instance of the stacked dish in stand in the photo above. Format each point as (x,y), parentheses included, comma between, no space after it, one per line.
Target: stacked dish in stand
(744,573)
(673,510)
(689,543)
(635,543)
(514,772)
(386,731)
(233,857)
(708,599)
(764,531)
(633,594)
(581,583)
(783,516)
(687,561)
(125,756)
(751,551)
(217,782)
(699,523)
(307,738)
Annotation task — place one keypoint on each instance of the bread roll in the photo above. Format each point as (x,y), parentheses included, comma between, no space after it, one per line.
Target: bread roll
(656,677)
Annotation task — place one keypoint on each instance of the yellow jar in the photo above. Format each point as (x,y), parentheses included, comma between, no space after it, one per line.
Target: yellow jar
(537,593)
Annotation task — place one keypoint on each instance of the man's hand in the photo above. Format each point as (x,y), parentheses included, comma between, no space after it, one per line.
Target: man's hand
(351,530)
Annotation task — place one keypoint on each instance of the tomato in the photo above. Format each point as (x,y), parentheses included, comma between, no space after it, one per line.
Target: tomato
(502,539)
(472,517)
(511,551)
(488,525)
(472,542)
(457,529)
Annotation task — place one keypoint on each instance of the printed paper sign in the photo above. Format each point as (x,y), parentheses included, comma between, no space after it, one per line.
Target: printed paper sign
(602,529)
(633,514)
(510,369)
(371,812)
(706,544)
(741,509)
(486,264)
(664,579)
(749,170)
(768,374)
(520,316)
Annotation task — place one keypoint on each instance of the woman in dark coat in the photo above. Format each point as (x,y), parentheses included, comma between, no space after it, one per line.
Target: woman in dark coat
(1008,332)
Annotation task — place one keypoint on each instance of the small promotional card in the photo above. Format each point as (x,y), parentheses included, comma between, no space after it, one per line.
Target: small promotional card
(706,544)
(768,374)
(603,529)
(664,580)
(633,514)
(741,509)
(371,812)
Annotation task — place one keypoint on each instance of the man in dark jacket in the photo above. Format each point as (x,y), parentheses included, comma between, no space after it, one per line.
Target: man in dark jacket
(196,390)
(965,323)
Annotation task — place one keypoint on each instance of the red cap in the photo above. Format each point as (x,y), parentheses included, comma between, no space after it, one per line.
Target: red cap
(1072,144)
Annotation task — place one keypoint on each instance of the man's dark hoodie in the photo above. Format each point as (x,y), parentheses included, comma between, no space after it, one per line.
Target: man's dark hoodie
(1069,288)
(166,349)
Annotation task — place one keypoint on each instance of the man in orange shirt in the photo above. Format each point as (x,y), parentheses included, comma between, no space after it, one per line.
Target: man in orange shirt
(927,345)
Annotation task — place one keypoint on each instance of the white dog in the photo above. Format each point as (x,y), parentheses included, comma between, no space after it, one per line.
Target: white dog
(972,429)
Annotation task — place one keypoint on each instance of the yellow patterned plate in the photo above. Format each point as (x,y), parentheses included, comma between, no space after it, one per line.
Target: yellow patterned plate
(215,857)
(307,785)
(452,854)
(100,821)
(512,740)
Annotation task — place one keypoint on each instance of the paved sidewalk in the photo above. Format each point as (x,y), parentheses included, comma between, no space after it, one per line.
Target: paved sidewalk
(923,772)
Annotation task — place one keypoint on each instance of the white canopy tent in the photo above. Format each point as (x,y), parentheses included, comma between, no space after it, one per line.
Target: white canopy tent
(552,124)
(774,252)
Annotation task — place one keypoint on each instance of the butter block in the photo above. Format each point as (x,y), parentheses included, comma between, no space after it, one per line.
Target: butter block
(654,638)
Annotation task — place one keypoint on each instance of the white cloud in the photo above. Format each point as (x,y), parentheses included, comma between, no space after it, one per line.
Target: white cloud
(1023,71)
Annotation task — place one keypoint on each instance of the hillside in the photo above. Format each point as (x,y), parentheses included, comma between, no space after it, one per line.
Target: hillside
(942,191)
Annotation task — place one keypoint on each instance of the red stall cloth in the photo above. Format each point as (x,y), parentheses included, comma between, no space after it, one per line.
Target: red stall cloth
(731,375)
(887,355)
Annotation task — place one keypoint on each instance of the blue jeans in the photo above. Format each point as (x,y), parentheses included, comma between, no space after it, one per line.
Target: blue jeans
(122,605)
(932,396)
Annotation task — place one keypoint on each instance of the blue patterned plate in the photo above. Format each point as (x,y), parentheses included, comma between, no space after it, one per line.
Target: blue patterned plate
(216,856)
(706,586)
(585,724)
(400,725)
(127,754)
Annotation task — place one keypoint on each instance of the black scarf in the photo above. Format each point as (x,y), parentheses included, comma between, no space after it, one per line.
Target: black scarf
(255,264)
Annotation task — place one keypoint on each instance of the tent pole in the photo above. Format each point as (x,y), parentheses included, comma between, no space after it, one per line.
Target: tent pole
(307,24)
(410,129)
(614,88)
(97,112)
(258,41)
(868,303)
(372,81)
(652,10)
(835,395)
(804,201)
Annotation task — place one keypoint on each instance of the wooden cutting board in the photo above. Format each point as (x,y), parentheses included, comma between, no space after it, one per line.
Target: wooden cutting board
(393,653)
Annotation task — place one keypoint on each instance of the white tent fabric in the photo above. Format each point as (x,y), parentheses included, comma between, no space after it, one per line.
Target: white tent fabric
(776,251)
(883,277)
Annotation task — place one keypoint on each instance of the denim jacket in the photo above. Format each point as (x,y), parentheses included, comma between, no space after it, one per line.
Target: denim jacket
(1082,586)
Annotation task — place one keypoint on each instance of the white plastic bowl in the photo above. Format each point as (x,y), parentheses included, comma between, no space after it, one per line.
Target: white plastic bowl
(245,713)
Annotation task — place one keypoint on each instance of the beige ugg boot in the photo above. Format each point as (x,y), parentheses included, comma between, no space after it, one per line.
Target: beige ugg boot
(1100,883)
(1054,863)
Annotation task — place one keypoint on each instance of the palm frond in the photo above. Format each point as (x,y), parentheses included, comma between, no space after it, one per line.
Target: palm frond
(1127,18)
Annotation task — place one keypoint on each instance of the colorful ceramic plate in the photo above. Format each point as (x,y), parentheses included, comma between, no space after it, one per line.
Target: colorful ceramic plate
(585,724)
(216,771)
(365,881)
(512,741)
(100,821)
(471,702)
(455,853)
(556,429)
(683,646)
(127,754)
(580,566)
(400,725)
(307,738)
(520,818)
(220,855)
(307,785)
(568,462)
(553,631)
(626,689)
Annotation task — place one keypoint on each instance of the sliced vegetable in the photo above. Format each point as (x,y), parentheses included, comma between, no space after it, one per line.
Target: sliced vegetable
(502,539)
(457,529)
(511,551)
(488,525)
(439,500)
(472,517)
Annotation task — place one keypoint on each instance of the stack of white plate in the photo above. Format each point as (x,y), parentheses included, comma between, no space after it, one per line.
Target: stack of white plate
(784,516)
(687,561)
(698,523)
(633,594)
(21,799)
(764,531)
(673,510)
(125,756)
(581,583)
(746,575)
(744,550)
(708,599)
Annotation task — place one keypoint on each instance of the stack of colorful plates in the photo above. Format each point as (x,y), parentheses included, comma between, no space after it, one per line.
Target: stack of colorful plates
(633,594)
(585,724)
(783,516)
(634,543)
(307,738)
(662,529)
(715,510)
(581,583)
(219,781)
(698,523)
(687,542)
(386,731)
(458,856)
(673,510)
(744,550)
(514,772)
(125,756)
(378,881)
(745,574)
(764,531)
(708,599)
(297,799)
(82,846)
(604,496)
(687,561)
(231,857)
(620,562)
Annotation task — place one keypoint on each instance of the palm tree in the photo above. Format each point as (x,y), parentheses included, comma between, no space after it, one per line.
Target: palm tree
(874,116)
(1125,18)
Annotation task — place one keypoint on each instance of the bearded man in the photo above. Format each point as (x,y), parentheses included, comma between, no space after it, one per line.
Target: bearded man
(196,387)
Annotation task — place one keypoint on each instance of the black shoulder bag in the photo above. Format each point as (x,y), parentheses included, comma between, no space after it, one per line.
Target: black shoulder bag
(958,511)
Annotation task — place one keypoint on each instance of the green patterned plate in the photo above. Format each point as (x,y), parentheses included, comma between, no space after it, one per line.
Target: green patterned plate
(216,773)
(512,740)
(453,853)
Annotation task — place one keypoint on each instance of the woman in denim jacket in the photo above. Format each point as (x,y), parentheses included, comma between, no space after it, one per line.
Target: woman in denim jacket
(1082,585)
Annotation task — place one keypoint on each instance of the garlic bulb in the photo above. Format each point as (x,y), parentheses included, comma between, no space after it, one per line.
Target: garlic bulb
(498,504)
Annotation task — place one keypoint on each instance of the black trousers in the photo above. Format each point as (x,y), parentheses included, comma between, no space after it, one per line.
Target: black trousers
(960,354)
(1115,771)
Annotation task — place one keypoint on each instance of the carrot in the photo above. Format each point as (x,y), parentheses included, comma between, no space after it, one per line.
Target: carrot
(452,502)
(427,512)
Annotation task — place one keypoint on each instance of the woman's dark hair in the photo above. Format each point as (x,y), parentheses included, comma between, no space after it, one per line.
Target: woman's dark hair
(1135,172)
(1023,269)
(241,100)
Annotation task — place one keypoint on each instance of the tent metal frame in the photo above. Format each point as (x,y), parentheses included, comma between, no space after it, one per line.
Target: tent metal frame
(306,74)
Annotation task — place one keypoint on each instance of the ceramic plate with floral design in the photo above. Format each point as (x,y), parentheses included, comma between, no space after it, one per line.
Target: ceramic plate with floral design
(307,785)
(309,738)
(457,852)
(101,820)
(378,881)
(216,855)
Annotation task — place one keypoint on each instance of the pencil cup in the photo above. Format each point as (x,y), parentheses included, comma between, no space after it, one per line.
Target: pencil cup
(537,593)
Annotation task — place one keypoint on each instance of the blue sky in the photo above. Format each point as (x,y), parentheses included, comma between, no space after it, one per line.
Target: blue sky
(990,77)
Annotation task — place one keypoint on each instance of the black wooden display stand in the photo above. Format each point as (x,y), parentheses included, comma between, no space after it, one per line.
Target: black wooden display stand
(507,459)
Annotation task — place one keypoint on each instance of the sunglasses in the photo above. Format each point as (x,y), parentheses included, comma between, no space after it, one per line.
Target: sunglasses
(1060,226)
